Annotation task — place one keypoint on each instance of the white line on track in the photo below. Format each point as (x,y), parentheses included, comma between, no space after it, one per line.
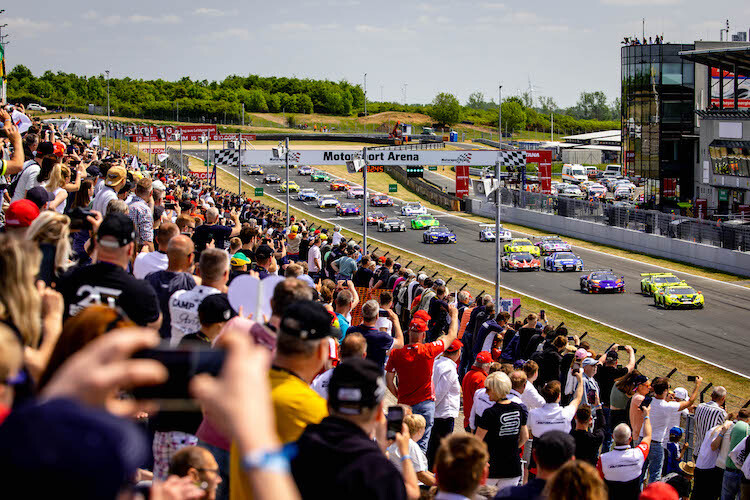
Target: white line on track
(526,294)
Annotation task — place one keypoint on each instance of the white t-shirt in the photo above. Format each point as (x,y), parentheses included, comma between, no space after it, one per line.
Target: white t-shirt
(707,456)
(623,464)
(550,417)
(27,180)
(320,383)
(183,311)
(312,255)
(149,262)
(662,413)
(102,199)
(418,458)
(531,397)
(384,324)
(481,402)
(447,388)
(739,456)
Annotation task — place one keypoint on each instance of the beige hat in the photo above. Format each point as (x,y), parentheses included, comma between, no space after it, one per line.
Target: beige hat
(688,468)
(115,175)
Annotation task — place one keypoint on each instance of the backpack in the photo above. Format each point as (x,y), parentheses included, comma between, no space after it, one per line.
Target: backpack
(14,183)
(510,353)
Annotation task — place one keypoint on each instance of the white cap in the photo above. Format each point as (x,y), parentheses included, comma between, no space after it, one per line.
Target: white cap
(422,277)
(158,185)
(681,393)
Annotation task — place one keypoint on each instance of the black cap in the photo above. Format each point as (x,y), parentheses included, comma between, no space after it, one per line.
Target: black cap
(93,171)
(307,320)
(39,196)
(45,148)
(613,355)
(215,309)
(356,384)
(554,448)
(119,226)
(263,252)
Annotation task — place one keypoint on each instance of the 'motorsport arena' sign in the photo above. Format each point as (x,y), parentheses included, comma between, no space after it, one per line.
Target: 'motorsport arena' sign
(395,157)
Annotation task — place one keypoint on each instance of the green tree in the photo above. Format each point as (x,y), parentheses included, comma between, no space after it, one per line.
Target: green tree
(514,116)
(547,105)
(445,109)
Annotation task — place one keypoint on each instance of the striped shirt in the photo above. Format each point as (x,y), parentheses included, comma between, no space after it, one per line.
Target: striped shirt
(707,416)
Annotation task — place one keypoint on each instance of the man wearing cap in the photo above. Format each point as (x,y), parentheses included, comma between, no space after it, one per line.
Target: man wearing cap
(238,263)
(301,352)
(113,183)
(315,259)
(606,375)
(383,274)
(19,216)
(438,311)
(150,262)
(473,381)
(379,343)
(413,364)
(345,266)
(708,415)
(40,196)
(213,231)
(447,397)
(265,262)
(477,313)
(337,458)
(107,281)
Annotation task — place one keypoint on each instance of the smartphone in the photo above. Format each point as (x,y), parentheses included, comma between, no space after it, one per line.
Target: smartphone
(395,421)
(170,205)
(383,313)
(78,219)
(646,402)
(182,364)
(691,378)
(542,314)
(571,338)
(620,347)
(70,149)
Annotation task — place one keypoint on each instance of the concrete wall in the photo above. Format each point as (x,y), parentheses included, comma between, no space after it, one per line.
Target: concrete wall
(425,190)
(693,253)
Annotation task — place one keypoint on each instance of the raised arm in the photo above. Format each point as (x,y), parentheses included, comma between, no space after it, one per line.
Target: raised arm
(693,396)
(449,337)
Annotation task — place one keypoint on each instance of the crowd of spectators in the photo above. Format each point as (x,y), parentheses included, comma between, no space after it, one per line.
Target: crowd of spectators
(103,256)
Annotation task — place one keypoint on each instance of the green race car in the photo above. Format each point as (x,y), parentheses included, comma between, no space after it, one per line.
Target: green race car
(652,282)
(521,245)
(676,296)
(320,176)
(424,221)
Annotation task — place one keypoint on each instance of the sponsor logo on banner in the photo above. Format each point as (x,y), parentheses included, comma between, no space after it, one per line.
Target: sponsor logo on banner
(385,158)
(202,175)
(462,180)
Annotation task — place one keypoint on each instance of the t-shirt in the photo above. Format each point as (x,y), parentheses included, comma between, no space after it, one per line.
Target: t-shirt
(165,283)
(739,432)
(312,255)
(320,383)
(183,310)
(378,343)
(551,417)
(503,423)
(661,413)
(605,376)
(347,266)
(413,366)
(102,199)
(343,325)
(109,285)
(418,458)
(588,444)
(362,277)
(472,382)
(707,456)
(623,465)
(205,233)
(149,262)
(27,180)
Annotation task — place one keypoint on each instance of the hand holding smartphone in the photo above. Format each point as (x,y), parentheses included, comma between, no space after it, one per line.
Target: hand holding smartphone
(394,421)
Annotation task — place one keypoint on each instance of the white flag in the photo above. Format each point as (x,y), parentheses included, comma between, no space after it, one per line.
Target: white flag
(134,164)
(162,157)
(65,125)
(94,142)
(21,121)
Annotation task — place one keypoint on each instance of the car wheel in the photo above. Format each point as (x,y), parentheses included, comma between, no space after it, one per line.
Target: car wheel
(583,289)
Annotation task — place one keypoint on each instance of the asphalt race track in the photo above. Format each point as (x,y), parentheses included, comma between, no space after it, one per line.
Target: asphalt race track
(718,333)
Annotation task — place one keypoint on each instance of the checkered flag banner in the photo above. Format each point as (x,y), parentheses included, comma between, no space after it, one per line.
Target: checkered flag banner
(227,157)
(513,158)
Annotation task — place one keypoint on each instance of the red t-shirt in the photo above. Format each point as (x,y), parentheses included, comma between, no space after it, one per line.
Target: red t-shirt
(473,381)
(413,366)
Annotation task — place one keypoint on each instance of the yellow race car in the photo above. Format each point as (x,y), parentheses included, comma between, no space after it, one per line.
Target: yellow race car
(676,296)
(293,187)
(521,245)
(652,282)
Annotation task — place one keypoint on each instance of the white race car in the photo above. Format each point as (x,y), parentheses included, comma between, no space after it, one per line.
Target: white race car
(417,208)
(355,192)
(487,233)
(327,202)
(308,194)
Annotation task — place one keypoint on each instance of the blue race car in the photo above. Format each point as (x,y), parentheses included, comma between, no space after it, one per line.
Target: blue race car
(602,280)
(563,261)
(347,209)
(307,194)
(439,234)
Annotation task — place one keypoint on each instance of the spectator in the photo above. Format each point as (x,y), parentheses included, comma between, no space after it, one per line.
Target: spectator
(608,372)
(481,400)
(473,381)
(642,387)
(51,232)
(659,491)
(353,346)
(447,397)
(438,312)
(416,426)
(530,396)
(213,231)
(383,274)
(681,479)
(552,416)
(142,214)
(528,330)
(345,266)
(588,441)
(149,262)
(551,451)
(503,428)
(337,458)
(40,196)
(363,275)
(183,304)
(622,467)
(708,415)
(487,330)
(18,217)
(214,312)
(345,302)
(379,344)
(114,181)
(177,276)
(674,451)
(385,323)
(730,486)
(466,355)
(551,360)
(107,281)
(576,479)
(315,260)
(518,385)
(660,414)
(285,293)
(461,466)
(200,466)
(31,168)
(413,364)
(708,475)
(265,262)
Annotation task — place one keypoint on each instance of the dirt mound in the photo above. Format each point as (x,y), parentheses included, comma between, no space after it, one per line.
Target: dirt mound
(393,116)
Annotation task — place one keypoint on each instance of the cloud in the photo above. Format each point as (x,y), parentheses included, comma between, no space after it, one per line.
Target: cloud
(554,28)
(492,5)
(90,15)
(111,20)
(23,27)
(368,28)
(432,20)
(291,27)
(209,12)
(165,19)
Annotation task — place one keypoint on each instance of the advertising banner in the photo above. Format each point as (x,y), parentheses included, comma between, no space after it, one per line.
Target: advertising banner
(544,160)
(701,208)
(391,157)
(462,181)
(156,134)
(203,175)
(743,89)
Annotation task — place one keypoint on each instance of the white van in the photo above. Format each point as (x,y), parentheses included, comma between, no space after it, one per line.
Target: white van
(574,173)
(612,171)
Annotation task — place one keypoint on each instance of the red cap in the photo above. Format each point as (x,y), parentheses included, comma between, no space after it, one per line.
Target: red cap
(169,198)
(422,314)
(659,491)
(484,357)
(163,179)
(21,213)
(381,258)
(59,149)
(418,325)
(456,345)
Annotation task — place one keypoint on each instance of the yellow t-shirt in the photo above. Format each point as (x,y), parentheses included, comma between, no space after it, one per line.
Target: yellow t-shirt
(296,405)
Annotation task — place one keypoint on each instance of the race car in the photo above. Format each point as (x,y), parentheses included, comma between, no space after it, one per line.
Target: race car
(347,209)
(414,208)
(551,244)
(391,224)
(307,194)
(320,176)
(327,201)
(563,261)
(355,192)
(520,261)
(381,200)
(271,179)
(305,170)
(675,296)
(424,221)
(651,282)
(340,185)
(293,187)
(602,280)
(521,245)
(597,191)
(438,234)
(375,218)
(487,233)
(254,170)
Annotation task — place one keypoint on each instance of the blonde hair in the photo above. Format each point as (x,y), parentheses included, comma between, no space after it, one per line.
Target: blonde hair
(56,177)
(415,423)
(498,385)
(574,480)
(20,303)
(11,353)
(53,228)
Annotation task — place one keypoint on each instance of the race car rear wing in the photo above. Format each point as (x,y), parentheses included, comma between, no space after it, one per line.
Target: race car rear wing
(489,226)
(657,274)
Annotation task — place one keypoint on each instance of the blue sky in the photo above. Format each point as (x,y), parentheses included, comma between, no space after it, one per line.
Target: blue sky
(426,47)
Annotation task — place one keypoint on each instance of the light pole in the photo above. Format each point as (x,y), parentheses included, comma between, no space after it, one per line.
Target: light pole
(365,94)
(165,145)
(239,164)
(107,71)
(181,167)
(364,201)
(500,116)
(286,162)
(498,199)
(243,114)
